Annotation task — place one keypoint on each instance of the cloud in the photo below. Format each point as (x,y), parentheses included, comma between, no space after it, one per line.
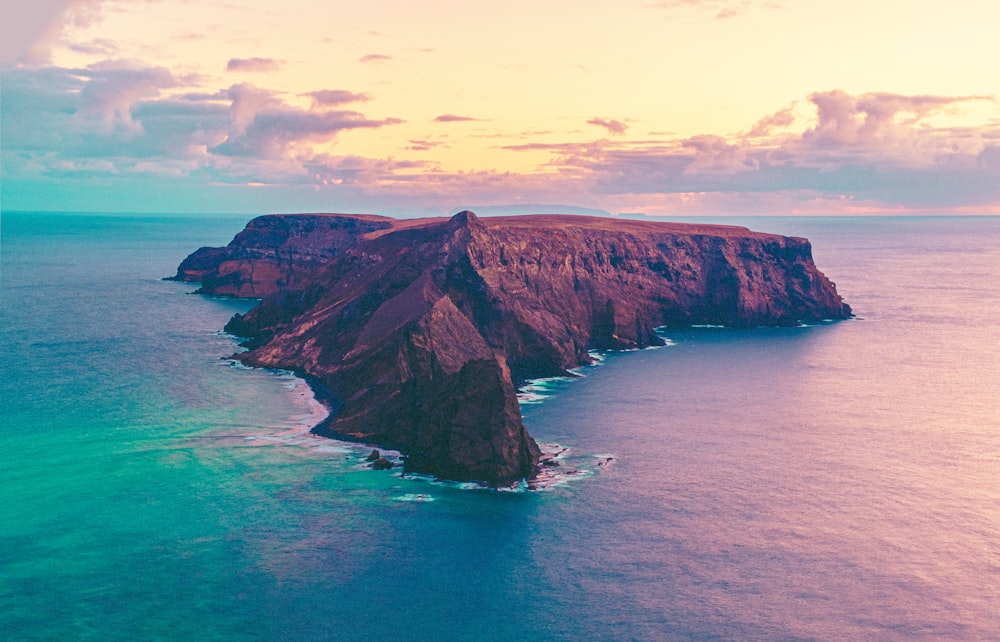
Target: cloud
(716,155)
(375,58)
(561,149)
(718,9)
(117,116)
(420,145)
(832,151)
(56,121)
(253,65)
(247,101)
(766,125)
(333,97)
(177,130)
(408,186)
(29,30)
(265,127)
(369,173)
(273,131)
(883,120)
(613,126)
(114,89)
(874,148)
(36,107)
(96,47)
(452,118)
(732,10)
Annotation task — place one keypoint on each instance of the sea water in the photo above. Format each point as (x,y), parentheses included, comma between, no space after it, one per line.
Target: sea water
(838,481)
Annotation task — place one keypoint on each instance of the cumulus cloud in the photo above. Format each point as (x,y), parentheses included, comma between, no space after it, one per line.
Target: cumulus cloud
(247,101)
(376,58)
(114,89)
(613,126)
(253,65)
(872,119)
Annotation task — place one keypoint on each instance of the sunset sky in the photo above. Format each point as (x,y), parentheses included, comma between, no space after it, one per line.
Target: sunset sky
(677,107)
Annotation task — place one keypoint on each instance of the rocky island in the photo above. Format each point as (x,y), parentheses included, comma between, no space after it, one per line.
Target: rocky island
(421,329)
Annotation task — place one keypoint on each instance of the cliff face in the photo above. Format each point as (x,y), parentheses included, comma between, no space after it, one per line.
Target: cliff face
(276,252)
(422,329)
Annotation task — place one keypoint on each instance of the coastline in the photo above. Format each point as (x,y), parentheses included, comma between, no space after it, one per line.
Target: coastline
(560,464)
(320,409)
(435,353)
(839,496)
(323,403)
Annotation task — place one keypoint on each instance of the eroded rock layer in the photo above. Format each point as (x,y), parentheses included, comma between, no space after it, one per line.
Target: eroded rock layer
(422,328)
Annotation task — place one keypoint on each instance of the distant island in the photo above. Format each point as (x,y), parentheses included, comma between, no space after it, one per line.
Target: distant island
(420,330)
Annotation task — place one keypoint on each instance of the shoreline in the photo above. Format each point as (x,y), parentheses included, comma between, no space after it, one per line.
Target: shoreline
(320,411)
(556,468)
(322,402)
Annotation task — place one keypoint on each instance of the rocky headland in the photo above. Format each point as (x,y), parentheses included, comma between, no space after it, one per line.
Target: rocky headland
(421,329)
(275,252)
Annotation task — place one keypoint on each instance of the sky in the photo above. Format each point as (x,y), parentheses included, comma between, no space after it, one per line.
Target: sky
(676,107)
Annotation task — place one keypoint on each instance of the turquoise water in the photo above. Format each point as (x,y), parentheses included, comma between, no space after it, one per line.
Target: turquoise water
(831,482)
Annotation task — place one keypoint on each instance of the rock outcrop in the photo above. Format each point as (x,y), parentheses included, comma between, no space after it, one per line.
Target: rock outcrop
(275,252)
(421,329)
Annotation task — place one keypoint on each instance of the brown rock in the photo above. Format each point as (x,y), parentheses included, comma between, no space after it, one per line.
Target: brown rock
(421,328)
(200,263)
(276,251)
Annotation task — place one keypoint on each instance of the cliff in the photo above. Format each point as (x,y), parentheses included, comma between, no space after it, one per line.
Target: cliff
(421,329)
(274,252)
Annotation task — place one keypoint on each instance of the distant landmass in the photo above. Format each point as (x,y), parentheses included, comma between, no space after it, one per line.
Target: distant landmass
(421,329)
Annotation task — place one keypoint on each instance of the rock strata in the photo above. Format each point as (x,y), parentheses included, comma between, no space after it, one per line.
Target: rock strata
(422,329)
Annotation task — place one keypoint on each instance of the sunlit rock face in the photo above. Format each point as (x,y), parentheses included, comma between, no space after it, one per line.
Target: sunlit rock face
(421,329)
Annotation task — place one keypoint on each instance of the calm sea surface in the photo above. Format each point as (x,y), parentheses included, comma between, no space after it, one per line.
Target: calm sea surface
(833,482)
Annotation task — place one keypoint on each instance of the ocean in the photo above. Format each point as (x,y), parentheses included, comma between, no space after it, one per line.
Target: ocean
(833,482)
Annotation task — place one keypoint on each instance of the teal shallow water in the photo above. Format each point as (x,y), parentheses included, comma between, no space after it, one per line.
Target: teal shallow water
(834,482)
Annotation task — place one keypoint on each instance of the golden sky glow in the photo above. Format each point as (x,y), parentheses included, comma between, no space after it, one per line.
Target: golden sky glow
(675,107)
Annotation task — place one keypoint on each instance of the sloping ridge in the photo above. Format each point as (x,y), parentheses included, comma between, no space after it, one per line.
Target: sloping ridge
(421,331)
